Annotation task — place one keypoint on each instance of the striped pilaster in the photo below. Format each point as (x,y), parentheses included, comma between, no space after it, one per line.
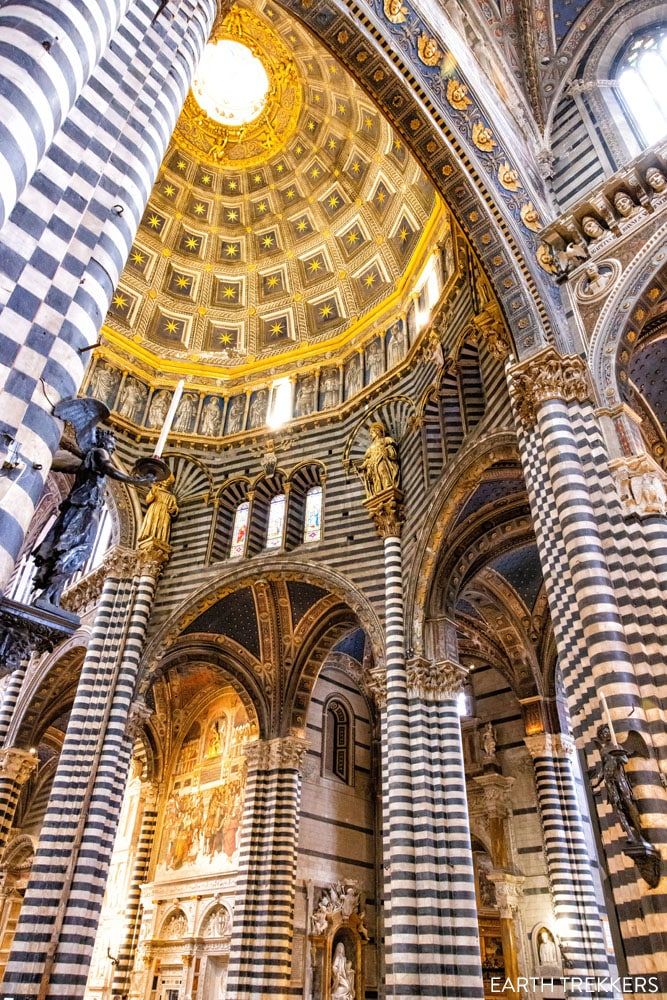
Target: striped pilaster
(58,921)
(16,766)
(261,946)
(47,53)
(604,645)
(567,856)
(10,697)
(70,232)
(126,955)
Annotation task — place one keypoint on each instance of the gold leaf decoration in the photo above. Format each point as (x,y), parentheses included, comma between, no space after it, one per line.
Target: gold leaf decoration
(483,137)
(508,177)
(457,95)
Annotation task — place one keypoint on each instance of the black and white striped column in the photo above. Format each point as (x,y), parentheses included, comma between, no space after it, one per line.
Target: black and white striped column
(56,931)
(70,233)
(10,697)
(261,947)
(568,860)
(16,766)
(123,969)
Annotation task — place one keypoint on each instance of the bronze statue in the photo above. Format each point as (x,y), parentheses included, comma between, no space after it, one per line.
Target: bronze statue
(69,541)
(610,771)
(380,469)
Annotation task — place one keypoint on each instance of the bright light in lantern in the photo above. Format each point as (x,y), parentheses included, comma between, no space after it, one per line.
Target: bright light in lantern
(231,84)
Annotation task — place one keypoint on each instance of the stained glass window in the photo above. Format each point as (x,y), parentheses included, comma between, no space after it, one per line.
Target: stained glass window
(240,530)
(642,78)
(312,528)
(274,531)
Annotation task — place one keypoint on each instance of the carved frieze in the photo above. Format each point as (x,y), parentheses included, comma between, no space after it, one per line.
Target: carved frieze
(641,484)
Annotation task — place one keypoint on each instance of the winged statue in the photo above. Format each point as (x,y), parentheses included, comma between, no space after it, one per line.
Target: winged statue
(69,542)
(610,771)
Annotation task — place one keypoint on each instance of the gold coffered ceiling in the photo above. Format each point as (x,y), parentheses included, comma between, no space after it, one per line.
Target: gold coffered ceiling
(281,240)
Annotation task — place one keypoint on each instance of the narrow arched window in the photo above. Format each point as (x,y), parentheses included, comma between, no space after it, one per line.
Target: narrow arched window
(641,72)
(337,734)
(312,523)
(274,529)
(240,530)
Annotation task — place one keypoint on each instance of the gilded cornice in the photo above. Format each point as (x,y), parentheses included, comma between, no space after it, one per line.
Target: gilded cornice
(546,376)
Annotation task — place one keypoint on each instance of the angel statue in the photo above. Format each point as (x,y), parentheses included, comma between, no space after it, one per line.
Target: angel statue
(69,542)
(610,771)
(380,469)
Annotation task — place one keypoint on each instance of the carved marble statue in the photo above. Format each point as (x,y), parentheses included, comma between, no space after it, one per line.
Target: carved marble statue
(305,397)
(396,344)
(257,415)
(158,409)
(374,360)
(235,418)
(342,975)
(103,383)
(380,468)
(596,280)
(162,507)
(625,206)
(488,740)
(210,417)
(546,949)
(353,378)
(656,179)
(592,228)
(329,388)
(69,541)
(132,399)
(185,415)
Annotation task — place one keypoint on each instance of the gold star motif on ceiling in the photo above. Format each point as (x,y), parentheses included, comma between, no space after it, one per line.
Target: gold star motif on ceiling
(356,167)
(352,237)
(290,194)
(206,179)
(199,208)
(272,281)
(403,234)
(314,265)
(299,150)
(267,241)
(171,326)
(233,185)
(331,144)
(380,197)
(192,243)
(325,311)
(369,280)
(333,201)
(342,109)
(311,125)
(317,98)
(232,215)
(169,190)
(225,338)
(154,222)
(119,300)
(137,258)
(276,329)
(261,208)
(229,292)
(302,225)
(368,123)
(315,173)
(180,165)
(231,250)
(280,168)
(257,179)
(182,281)
(398,144)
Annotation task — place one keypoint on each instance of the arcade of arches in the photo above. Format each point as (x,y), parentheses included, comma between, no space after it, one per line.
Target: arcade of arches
(385,284)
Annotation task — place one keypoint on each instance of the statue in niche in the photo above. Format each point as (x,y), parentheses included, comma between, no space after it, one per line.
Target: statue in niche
(162,507)
(342,975)
(132,399)
(396,344)
(625,206)
(656,179)
(158,409)
(257,415)
(185,415)
(69,542)
(329,388)
(305,397)
(103,383)
(546,949)
(218,923)
(210,417)
(374,360)
(610,771)
(592,228)
(235,418)
(488,740)
(596,280)
(353,377)
(380,468)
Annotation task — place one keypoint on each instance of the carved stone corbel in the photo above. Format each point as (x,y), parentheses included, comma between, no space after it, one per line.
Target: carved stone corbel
(641,485)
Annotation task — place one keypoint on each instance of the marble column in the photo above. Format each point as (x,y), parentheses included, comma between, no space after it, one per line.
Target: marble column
(261,947)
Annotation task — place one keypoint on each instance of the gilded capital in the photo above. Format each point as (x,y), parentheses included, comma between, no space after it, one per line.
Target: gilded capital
(386,511)
(434,680)
(376,682)
(550,745)
(491,328)
(276,755)
(548,375)
(17,764)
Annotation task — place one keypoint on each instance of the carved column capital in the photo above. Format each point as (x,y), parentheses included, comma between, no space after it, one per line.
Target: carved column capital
(434,680)
(490,327)
(17,764)
(509,890)
(137,717)
(376,683)
(548,375)
(277,755)
(641,485)
(550,745)
(386,511)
